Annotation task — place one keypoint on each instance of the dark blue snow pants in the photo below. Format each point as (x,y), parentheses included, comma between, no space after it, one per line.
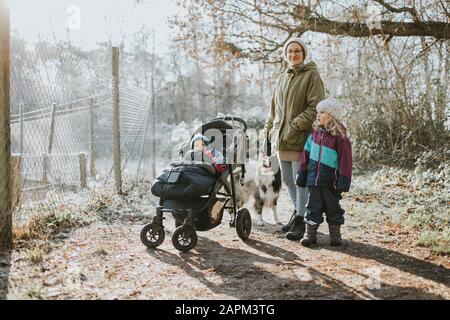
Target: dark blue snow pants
(320,200)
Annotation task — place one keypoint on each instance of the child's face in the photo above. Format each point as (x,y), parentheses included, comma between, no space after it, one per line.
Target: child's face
(199,145)
(323,118)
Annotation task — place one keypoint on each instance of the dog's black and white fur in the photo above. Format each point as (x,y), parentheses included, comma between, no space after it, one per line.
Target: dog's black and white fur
(265,189)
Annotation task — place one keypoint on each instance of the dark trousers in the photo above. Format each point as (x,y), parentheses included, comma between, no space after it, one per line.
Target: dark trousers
(322,200)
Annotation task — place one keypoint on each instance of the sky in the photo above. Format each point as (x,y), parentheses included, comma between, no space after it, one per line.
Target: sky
(86,22)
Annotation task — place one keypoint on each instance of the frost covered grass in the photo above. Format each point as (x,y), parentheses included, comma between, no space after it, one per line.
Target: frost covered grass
(56,215)
(439,242)
(47,220)
(426,196)
(33,293)
(100,250)
(36,255)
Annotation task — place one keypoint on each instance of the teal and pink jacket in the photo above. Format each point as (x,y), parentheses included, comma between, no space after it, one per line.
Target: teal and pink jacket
(326,161)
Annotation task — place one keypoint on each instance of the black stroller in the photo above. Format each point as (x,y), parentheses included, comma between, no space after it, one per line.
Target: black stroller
(206,211)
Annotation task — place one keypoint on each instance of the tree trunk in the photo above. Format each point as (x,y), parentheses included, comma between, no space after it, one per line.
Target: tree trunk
(5,131)
(116,121)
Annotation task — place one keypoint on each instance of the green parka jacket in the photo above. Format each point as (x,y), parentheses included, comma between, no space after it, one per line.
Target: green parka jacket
(293,107)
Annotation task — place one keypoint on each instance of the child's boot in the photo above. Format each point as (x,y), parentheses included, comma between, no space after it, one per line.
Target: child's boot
(310,236)
(335,235)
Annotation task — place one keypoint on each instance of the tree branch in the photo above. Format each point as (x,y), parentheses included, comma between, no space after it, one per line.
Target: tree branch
(411,11)
(436,29)
(444,8)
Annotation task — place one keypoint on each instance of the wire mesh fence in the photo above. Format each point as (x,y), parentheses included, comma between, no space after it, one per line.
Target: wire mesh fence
(62,124)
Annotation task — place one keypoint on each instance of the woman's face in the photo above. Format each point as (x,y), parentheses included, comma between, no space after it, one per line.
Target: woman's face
(294,54)
(323,118)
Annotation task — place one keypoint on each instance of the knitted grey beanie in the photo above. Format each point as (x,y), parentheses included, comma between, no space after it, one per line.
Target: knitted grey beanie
(332,106)
(297,40)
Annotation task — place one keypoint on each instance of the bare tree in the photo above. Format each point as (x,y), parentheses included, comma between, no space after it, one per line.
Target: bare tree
(286,18)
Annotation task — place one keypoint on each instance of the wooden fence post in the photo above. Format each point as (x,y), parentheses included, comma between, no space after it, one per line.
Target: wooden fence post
(83,173)
(45,167)
(21,136)
(144,138)
(257,144)
(153,115)
(116,121)
(51,137)
(5,131)
(16,180)
(92,143)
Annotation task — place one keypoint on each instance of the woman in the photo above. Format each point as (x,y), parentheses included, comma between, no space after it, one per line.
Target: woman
(293,109)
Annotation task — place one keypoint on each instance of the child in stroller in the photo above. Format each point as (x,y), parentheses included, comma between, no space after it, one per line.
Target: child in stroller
(197,189)
(201,146)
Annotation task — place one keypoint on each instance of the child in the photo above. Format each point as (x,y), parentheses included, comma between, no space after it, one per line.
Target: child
(200,143)
(326,169)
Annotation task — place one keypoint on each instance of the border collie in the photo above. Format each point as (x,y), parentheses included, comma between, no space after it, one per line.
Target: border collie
(265,190)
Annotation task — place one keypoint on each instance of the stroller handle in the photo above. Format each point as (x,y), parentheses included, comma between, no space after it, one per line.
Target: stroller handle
(231,118)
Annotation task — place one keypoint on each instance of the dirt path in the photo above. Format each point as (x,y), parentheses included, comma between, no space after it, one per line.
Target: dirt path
(106,260)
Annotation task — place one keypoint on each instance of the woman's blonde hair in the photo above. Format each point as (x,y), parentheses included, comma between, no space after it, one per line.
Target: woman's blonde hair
(333,126)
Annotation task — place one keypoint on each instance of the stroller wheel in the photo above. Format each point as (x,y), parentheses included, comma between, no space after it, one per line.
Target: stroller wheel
(152,235)
(243,223)
(184,238)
